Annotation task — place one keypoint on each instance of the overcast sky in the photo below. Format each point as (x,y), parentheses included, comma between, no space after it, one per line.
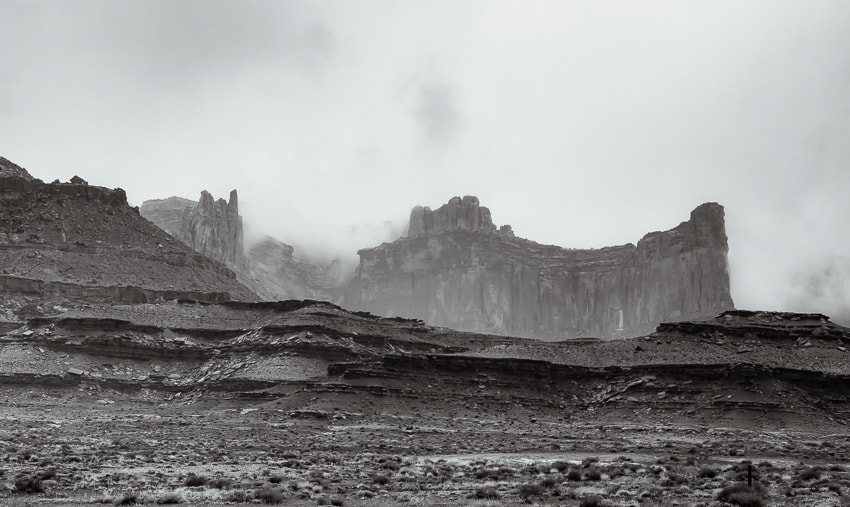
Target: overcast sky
(580,123)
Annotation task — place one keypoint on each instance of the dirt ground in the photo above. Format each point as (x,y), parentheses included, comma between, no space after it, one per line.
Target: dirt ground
(370,449)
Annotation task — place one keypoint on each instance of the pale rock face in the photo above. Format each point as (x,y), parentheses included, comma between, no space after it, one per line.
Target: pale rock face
(211,227)
(167,214)
(214,228)
(455,269)
(277,274)
(457,214)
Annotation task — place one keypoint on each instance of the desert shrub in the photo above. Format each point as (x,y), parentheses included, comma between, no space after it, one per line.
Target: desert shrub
(809,474)
(29,485)
(487,493)
(503,472)
(391,465)
(592,501)
(236,496)
(707,472)
(195,480)
(47,474)
(127,499)
(527,490)
(615,471)
(674,479)
(742,475)
(381,479)
(743,495)
(170,499)
(547,483)
(574,475)
(270,495)
(530,470)
(220,483)
(586,462)
(593,474)
(560,466)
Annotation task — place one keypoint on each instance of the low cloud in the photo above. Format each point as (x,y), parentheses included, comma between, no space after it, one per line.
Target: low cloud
(822,286)
(580,123)
(436,113)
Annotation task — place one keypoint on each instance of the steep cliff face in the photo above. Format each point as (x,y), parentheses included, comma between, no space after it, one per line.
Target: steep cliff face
(212,227)
(455,269)
(167,214)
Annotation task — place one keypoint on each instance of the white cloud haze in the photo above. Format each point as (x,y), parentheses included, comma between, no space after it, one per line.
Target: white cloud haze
(580,123)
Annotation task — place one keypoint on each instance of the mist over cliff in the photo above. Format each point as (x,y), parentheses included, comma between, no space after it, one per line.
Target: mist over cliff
(456,268)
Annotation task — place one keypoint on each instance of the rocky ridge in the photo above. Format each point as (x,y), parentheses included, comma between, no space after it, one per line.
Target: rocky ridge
(66,244)
(9,169)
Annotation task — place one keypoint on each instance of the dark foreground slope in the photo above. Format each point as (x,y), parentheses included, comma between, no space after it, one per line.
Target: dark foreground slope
(64,244)
(326,404)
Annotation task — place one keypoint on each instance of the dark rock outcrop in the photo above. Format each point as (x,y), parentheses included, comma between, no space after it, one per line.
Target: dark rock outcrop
(9,169)
(74,243)
(455,269)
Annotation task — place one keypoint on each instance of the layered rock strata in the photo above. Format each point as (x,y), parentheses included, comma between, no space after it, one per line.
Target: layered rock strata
(455,269)
(773,365)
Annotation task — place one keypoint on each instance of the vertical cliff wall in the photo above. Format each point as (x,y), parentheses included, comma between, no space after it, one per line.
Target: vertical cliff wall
(212,227)
(455,269)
